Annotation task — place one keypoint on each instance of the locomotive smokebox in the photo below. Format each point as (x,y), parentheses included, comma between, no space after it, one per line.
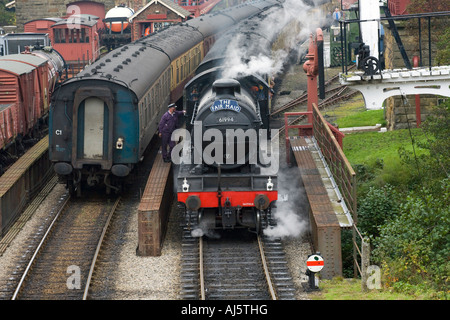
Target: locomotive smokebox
(228,111)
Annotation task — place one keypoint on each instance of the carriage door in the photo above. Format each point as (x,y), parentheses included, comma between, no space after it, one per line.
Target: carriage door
(94,115)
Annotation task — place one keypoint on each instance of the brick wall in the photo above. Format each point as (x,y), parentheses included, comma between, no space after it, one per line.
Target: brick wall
(154,9)
(400,112)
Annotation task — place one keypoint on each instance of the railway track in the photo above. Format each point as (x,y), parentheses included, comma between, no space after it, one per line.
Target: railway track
(338,96)
(237,266)
(61,266)
(72,229)
(334,95)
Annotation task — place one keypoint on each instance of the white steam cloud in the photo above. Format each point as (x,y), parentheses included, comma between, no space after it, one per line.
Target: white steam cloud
(295,19)
(292,207)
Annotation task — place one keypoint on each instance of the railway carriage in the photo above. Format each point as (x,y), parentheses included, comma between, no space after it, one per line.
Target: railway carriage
(27,82)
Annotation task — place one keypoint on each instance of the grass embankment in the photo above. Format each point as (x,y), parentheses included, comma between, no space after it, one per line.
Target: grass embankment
(350,289)
(354,114)
(377,151)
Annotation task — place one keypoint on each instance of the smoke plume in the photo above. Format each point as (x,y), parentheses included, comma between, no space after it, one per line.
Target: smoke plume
(292,206)
(296,20)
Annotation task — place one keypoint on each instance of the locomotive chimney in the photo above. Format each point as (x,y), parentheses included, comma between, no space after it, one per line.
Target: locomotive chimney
(226,87)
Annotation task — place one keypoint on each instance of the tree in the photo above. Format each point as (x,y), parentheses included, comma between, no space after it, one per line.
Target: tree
(434,165)
(421,6)
(443,47)
(377,207)
(414,247)
(440,31)
(7,17)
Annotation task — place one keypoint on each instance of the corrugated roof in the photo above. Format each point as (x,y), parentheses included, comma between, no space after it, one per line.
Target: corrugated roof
(15,67)
(46,19)
(27,58)
(81,19)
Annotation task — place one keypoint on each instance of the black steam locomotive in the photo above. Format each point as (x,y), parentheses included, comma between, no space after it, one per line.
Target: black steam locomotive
(227,176)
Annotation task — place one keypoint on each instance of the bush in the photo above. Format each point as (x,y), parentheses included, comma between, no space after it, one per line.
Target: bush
(414,247)
(433,165)
(377,207)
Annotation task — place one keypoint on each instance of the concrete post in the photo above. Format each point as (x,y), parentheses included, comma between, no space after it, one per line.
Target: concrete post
(365,262)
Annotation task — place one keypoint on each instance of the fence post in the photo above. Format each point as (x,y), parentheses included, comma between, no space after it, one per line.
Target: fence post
(365,262)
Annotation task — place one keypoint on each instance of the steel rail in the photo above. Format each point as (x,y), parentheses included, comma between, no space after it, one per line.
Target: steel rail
(201,269)
(336,97)
(304,97)
(266,270)
(38,249)
(97,250)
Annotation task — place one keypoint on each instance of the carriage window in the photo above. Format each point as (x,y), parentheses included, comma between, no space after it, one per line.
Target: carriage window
(57,35)
(153,98)
(198,57)
(145,112)
(166,82)
(70,35)
(157,94)
(83,35)
(169,76)
(149,101)
(142,110)
(65,37)
(147,107)
(78,35)
(188,57)
(60,35)
(152,107)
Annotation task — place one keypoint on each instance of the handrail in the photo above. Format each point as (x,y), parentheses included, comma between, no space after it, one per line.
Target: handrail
(330,141)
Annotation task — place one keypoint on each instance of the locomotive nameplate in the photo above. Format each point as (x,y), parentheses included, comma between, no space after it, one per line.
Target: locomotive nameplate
(225,104)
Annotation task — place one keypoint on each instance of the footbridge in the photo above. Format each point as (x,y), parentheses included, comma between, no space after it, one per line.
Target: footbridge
(378,87)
